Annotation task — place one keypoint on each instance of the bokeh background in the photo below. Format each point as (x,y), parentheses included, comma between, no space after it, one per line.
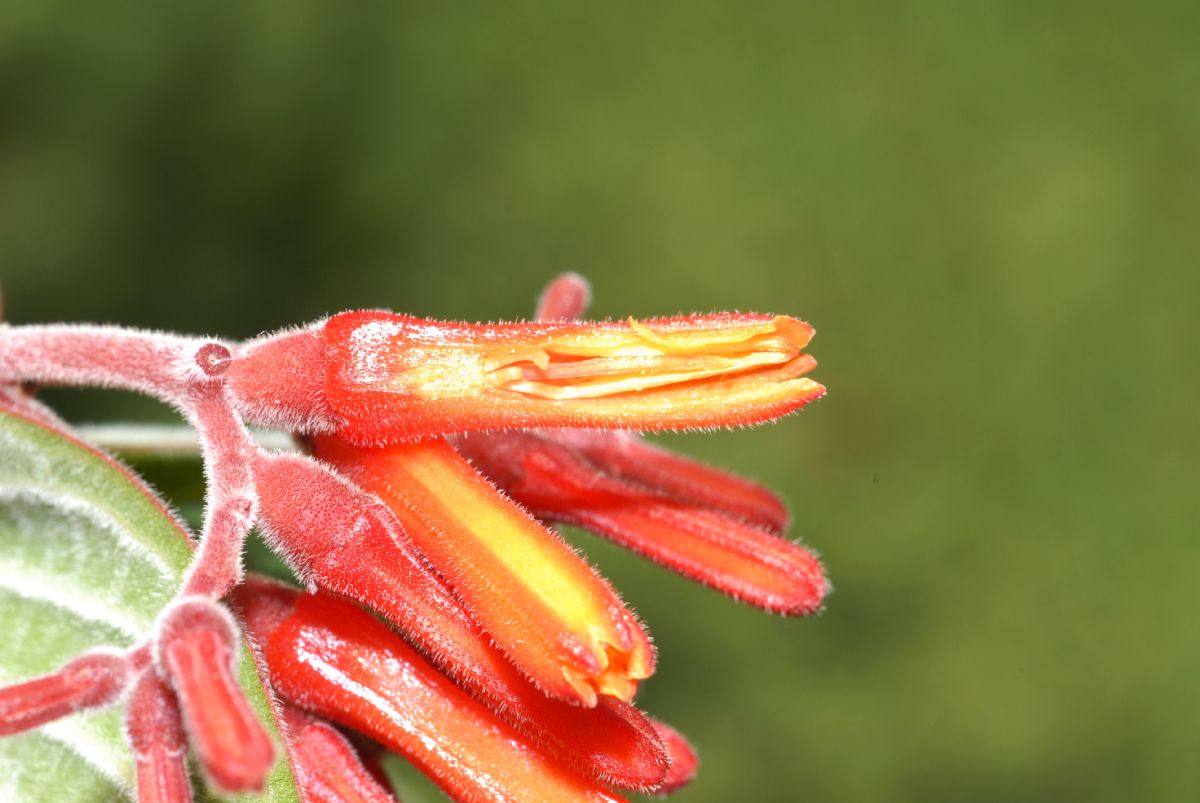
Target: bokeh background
(988,210)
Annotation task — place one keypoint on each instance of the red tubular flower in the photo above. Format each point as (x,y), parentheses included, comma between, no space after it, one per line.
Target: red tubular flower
(541,659)
(196,647)
(336,536)
(332,659)
(545,607)
(612,743)
(700,521)
(627,456)
(159,742)
(384,378)
(327,765)
(559,483)
(684,763)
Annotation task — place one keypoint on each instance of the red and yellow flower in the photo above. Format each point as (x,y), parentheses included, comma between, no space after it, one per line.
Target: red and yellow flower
(497,659)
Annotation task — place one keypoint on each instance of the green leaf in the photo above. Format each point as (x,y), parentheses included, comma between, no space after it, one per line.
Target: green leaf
(88,557)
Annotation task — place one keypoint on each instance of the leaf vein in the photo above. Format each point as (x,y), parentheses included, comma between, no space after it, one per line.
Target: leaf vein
(11,493)
(43,589)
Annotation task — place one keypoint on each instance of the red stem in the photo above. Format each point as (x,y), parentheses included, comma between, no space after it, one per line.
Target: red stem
(230,497)
(185,372)
(101,356)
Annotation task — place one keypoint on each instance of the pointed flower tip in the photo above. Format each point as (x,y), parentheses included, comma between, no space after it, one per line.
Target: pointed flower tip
(395,377)
(627,457)
(684,761)
(196,651)
(804,592)
(328,766)
(604,667)
(562,477)
(547,610)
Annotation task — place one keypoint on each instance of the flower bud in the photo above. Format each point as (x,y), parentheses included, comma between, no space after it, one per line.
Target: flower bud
(196,651)
(545,607)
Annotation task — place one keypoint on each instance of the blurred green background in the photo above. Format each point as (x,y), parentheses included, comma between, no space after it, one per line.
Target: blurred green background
(988,210)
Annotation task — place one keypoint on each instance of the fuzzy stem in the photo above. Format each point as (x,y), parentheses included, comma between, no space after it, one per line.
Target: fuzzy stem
(230,497)
(102,356)
(185,372)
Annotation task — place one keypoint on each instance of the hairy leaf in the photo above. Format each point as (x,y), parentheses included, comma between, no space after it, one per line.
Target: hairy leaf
(88,557)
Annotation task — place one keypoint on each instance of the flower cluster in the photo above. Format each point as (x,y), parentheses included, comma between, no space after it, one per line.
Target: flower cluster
(443,618)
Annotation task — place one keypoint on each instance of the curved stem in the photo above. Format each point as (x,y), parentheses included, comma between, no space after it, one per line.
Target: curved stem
(231,499)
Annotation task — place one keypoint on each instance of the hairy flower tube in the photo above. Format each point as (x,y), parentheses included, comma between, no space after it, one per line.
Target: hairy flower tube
(330,769)
(374,563)
(545,607)
(712,526)
(562,479)
(330,658)
(443,619)
(383,378)
(195,651)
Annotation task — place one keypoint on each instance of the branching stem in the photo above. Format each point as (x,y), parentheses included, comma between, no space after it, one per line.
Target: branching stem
(154,363)
(187,373)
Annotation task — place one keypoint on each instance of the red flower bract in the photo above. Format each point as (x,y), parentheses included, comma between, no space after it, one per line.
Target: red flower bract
(500,663)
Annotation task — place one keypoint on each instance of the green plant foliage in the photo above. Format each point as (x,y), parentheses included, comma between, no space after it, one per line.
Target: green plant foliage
(88,557)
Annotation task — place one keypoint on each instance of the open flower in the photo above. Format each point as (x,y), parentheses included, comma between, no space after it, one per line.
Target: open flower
(443,619)
(384,378)
(707,524)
